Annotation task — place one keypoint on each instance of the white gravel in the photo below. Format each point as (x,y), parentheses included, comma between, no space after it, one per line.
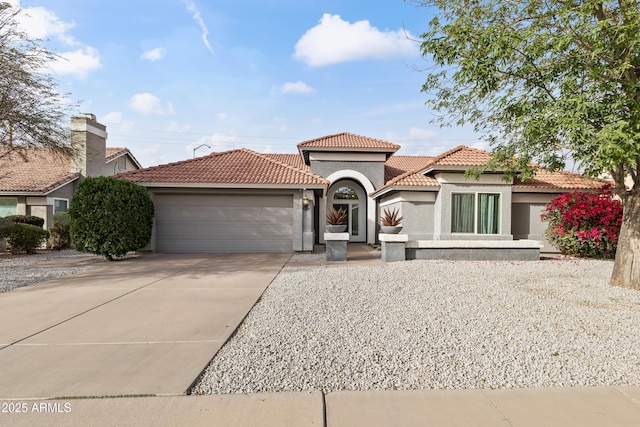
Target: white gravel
(23,270)
(434,324)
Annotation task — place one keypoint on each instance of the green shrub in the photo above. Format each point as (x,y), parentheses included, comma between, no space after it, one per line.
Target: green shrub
(26,238)
(5,227)
(26,219)
(110,217)
(59,237)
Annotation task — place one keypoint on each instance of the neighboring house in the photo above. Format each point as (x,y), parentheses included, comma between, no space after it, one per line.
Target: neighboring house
(40,182)
(240,200)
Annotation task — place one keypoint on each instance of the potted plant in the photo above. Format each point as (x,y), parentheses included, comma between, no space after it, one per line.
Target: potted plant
(390,222)
(336,221)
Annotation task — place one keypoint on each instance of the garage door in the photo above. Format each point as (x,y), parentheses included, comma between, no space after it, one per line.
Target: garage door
(216,223)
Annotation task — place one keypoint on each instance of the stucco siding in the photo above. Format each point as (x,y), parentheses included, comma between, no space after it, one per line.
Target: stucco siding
(443,225)
(417,210)
(374,171)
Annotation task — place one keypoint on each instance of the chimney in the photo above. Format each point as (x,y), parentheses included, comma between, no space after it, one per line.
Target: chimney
(88,144)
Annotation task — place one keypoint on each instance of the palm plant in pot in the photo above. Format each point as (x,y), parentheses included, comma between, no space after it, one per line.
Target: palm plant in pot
(336,220)
(390,222)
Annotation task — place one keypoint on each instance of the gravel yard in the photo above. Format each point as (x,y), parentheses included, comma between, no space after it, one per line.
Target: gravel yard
(434,324)
(23,270)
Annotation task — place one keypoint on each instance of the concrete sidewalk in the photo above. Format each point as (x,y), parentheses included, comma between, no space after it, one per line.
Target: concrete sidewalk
(142,326)
(584,407)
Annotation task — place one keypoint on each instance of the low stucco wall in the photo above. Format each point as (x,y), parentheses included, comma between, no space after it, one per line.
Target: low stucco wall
(474,250)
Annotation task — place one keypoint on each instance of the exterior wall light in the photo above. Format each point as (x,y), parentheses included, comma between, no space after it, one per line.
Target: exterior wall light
(306,202)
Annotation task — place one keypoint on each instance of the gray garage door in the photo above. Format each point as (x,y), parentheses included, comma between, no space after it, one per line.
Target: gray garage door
(215,223)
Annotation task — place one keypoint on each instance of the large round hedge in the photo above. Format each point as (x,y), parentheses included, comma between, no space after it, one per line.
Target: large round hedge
(110,217)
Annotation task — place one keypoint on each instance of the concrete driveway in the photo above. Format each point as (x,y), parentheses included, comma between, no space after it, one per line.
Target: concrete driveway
(144,326)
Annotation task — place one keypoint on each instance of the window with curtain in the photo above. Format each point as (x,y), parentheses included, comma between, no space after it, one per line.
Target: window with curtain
(475,213)
(462,213)
(488,213)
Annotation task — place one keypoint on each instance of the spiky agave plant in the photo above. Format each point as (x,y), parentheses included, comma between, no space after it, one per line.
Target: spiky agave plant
(337,217)
(391,218)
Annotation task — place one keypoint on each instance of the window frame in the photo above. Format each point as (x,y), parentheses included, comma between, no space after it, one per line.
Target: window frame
(56,199)
(476,213)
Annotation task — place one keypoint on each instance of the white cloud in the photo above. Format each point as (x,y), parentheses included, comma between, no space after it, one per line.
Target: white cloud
(334,40)
(147,103)
(41,23)
(191,7)
(78,63)
(113,118)
(299,88)
(222,117)
(154,54)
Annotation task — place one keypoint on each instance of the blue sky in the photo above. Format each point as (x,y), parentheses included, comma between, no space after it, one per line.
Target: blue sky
(166,76)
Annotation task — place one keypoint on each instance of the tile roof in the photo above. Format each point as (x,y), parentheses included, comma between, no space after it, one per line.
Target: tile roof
(559,180)
(240,166)
(348,141)
(468,157)
(397,165)
(462,156)
(244,166)
(294,160)
(113,153)
(41,171)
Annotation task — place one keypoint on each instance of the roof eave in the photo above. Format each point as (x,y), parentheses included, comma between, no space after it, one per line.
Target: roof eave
(527,189)
(304,151)
(393,188)
(234,186)
(21,193)
(461,169)
(125,153)
(42,192)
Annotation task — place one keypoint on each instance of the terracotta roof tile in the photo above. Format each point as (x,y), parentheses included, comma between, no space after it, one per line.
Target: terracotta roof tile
(113,153)
(294,160)
(559,180)
(346,141)
(411,179)
(41,171)
(240,166)
(397,165)
(463,156)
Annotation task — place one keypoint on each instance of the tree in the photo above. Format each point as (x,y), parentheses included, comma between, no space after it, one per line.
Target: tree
(546,81)
(32,111)
(110,217)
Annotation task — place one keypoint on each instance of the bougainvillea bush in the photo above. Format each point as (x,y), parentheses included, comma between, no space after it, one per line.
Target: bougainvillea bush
(584,224)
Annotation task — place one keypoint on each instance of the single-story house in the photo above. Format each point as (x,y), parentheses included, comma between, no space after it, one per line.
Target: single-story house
(240,200)
(40,182)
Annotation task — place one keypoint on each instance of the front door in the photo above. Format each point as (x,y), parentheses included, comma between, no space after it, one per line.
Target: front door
(350,196)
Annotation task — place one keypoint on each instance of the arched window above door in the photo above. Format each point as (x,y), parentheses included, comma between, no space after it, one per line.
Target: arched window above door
(345,193)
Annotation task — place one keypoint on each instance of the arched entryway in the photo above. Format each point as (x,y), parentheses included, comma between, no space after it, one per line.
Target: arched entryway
(350,196)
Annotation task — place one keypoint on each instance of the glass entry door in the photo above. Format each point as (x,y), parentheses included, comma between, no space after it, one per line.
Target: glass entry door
(350,196)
